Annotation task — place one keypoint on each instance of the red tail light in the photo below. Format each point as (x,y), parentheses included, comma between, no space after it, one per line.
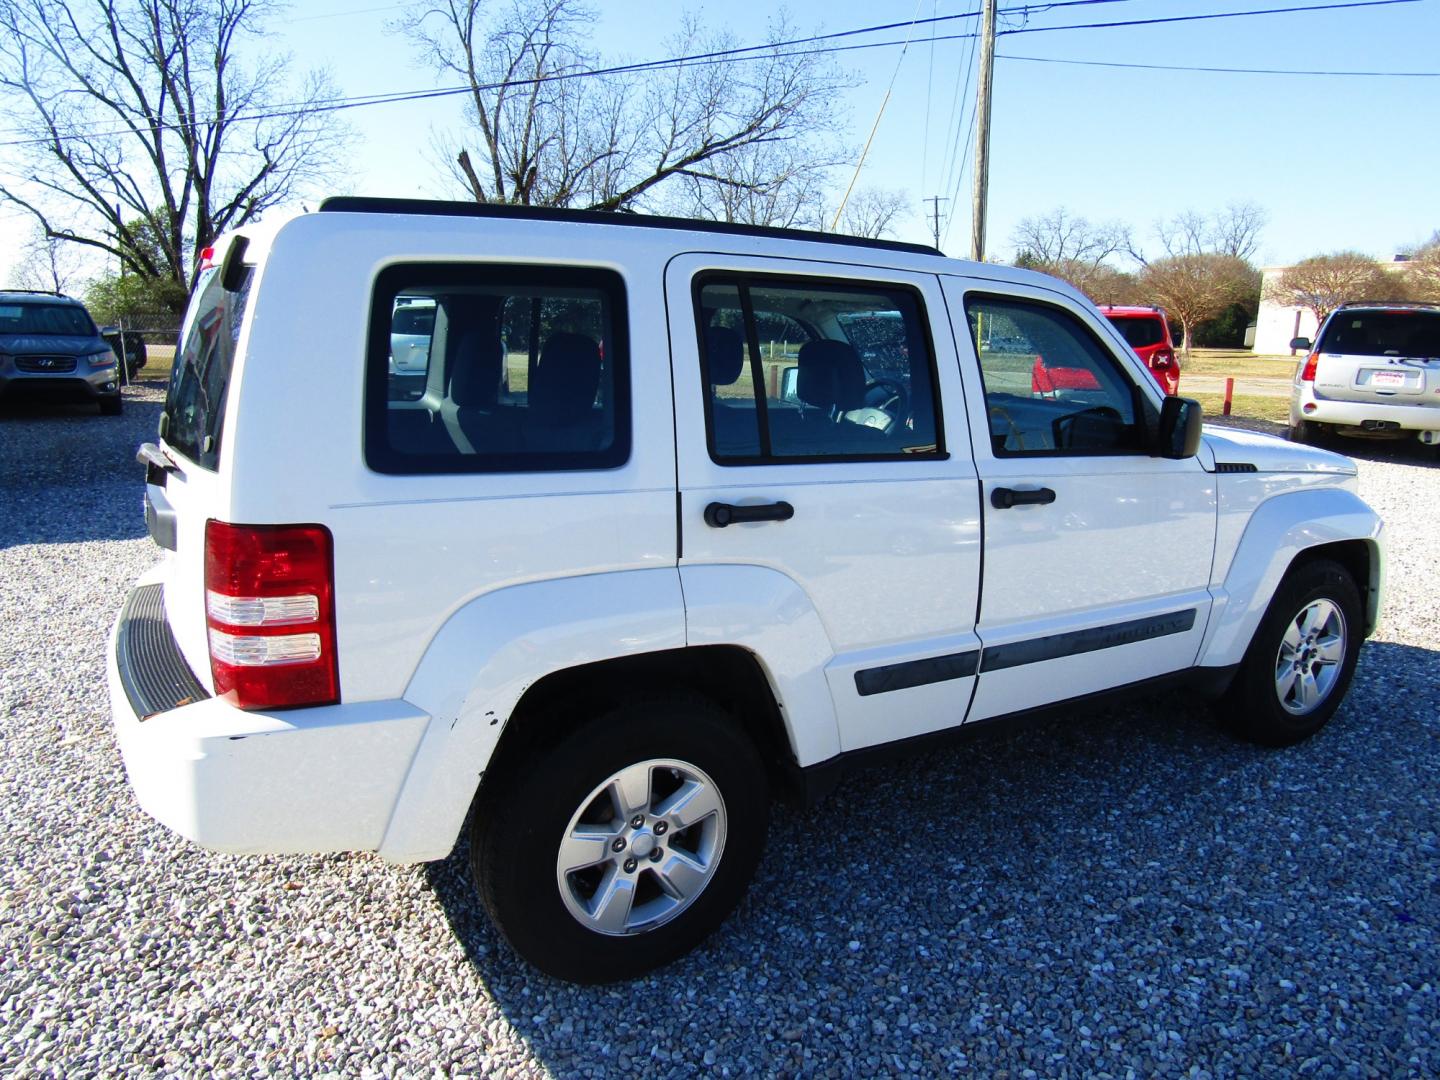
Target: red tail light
(207,259)
(1307,374)
(270,610)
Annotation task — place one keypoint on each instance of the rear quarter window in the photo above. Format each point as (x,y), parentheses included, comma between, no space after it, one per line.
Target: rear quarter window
(200,380)
(496,368)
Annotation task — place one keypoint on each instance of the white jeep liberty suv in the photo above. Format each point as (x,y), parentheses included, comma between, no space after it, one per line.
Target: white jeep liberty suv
(659,519)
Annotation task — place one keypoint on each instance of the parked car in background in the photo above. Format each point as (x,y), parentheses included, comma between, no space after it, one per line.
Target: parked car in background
(133,343)
(1372,372)
(51,349)
(1147,331)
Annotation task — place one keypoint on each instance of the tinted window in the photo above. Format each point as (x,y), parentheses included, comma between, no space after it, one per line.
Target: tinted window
(496,369)
(1383,333)
(60,319)
(200,377)
(1050,386)
(814,370)
(1139,331)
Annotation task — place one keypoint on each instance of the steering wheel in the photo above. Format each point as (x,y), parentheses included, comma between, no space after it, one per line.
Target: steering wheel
(889,396)
(1063,428)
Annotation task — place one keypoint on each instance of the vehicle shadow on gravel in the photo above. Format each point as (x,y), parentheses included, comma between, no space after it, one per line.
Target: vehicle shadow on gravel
(926,902)
(68,475)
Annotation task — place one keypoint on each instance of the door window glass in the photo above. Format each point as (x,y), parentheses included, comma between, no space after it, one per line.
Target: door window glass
(815,371)
(1050,386)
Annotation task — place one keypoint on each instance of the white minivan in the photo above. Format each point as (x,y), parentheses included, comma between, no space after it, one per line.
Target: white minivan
(671,518)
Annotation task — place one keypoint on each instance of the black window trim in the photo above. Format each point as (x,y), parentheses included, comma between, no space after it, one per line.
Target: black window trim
(743,280)
(1147,417)
(388,283)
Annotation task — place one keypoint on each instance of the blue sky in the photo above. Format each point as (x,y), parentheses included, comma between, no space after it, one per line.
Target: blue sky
(1336,162)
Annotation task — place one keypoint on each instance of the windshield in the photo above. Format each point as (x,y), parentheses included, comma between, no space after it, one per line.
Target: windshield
(1383,333)
(1139,331)
(67,319)
(200,379)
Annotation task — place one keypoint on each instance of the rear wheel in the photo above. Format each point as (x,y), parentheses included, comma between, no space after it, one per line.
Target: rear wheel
(1302,431)
(624,845)
(1302,657)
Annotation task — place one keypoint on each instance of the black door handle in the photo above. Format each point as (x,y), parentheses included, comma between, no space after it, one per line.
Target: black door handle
(719,515)
(1005,498)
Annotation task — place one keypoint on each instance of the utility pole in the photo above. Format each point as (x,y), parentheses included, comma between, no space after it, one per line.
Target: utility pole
(935,201)
(982,136)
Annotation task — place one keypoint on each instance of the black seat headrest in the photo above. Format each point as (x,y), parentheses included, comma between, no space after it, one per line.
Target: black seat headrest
(475,370)
(724,355)
(563,386)
(831,376)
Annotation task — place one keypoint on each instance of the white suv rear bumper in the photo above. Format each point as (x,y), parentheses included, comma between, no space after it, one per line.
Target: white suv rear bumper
(1355,413)
(302,780)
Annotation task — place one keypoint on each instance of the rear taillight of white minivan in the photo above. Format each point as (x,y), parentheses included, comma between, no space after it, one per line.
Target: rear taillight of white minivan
(270,614)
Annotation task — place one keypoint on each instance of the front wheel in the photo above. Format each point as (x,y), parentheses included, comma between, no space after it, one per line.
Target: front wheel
(621,847)
(1302,657)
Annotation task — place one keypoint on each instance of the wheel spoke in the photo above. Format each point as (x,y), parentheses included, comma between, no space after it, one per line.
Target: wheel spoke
(610,910)
(1308,690)
(693,802)
(630,791)
(679,875)
(1285,682)
(1290,643)
(1330,650)
(585,846)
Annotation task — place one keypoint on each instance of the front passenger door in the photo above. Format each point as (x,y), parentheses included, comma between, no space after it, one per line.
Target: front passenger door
(1097,555)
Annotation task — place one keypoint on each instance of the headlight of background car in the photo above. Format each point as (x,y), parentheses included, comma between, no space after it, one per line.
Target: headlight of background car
(101,359)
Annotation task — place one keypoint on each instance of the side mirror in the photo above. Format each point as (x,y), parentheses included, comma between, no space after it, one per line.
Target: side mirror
(106,331)
(1301,343)
(1178,436)
(790,384)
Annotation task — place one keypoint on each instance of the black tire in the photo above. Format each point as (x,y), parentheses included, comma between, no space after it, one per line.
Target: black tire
(1302,431)
(522,815)
(111,406)
(1253,707)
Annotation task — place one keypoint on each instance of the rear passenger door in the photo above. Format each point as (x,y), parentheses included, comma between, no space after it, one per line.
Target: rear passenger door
(820,436)
(1097,555)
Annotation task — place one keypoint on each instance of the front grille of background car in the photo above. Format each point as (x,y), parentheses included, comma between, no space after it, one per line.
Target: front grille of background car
(45,365)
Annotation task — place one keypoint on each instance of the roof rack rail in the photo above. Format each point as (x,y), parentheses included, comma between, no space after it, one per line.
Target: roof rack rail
(1419,305)
(359,204)
(39,292)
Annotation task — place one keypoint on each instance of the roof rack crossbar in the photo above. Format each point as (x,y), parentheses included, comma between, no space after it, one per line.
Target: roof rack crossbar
(1419,305)
(357,204)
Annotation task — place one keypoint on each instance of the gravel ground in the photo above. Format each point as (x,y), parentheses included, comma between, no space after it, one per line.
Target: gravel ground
(1127,893)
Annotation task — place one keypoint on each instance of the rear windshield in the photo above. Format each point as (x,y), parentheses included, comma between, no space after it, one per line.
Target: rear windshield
(1383,333)
(200,379)
(1139,330)
(62,319)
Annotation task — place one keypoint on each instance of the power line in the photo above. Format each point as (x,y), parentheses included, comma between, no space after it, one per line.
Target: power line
(727,56)
(1222,70)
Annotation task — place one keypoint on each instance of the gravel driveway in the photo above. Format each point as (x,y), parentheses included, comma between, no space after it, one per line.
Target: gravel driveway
(1126,892)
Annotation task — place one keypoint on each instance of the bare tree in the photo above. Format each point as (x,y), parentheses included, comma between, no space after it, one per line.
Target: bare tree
(1194,288)
(1062,239)
(548,127)
(761,185)
(1233,231)
(50,265)
(872,212)
(1324,282)
(141,111)
(1423,270)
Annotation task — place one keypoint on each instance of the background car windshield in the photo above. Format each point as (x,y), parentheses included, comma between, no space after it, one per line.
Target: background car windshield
(1384,333)
(1139,332)
(45,319)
